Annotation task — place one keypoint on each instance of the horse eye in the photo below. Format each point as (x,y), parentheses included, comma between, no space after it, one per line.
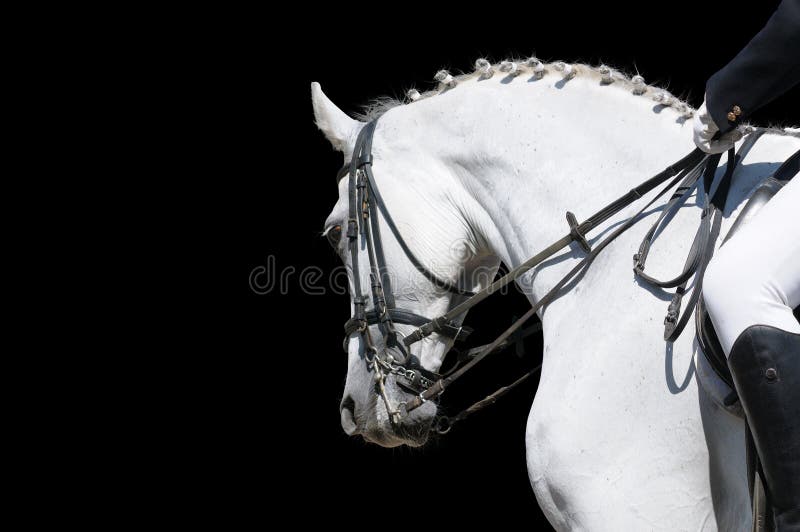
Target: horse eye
(335,235)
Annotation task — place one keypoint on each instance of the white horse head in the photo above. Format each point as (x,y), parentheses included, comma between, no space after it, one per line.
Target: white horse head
(423,198)
(482,170)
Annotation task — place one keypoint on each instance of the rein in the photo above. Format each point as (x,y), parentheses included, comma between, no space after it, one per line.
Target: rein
(703,244)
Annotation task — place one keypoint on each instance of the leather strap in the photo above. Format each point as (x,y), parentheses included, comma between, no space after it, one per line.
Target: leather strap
(445,423)
(673,324)
(701,239)
(677,200)
(789,168)
(712,214)
(705,239)
(432,277)
(406,317)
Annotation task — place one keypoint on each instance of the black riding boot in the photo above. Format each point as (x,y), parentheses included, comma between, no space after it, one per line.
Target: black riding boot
(765,364)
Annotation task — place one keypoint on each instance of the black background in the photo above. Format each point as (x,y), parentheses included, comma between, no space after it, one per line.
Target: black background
(283,366)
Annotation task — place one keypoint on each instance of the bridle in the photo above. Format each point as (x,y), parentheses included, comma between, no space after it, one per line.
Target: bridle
(395,358)
(362,224)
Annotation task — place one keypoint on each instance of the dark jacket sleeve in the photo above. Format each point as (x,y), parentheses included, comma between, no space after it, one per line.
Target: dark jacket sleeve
(766,68)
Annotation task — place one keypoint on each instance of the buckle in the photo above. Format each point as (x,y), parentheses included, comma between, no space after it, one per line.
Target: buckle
(352,228)
(364,159)
(462,334)
(457,333)
(361,179)
(576,234)
(638,260)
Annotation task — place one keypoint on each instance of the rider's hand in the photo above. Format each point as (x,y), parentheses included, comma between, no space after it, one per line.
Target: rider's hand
(705,129)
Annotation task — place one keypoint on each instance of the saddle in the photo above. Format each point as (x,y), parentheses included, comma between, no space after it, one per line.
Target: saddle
(705,333)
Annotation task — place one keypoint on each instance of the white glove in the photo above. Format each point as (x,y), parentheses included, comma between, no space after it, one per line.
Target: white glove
(705,128)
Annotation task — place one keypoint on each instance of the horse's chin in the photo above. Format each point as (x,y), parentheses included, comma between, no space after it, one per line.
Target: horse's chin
(394,436)
(368,415)
(389,440)
(412,431)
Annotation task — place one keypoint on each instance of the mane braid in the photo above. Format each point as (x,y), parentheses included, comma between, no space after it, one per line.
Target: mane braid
(533,67)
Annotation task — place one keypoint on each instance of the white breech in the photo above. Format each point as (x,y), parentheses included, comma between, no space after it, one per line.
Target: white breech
(754,278)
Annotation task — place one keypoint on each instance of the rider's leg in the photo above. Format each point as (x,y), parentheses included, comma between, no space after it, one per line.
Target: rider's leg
(755,277)
(750,288)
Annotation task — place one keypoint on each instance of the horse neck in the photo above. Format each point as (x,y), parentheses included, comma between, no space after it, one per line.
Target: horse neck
(527,151)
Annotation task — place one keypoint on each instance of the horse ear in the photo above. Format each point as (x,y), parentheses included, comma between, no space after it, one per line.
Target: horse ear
(338,128)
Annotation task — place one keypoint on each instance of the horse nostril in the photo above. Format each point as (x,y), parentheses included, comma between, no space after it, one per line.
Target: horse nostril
(348,412)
